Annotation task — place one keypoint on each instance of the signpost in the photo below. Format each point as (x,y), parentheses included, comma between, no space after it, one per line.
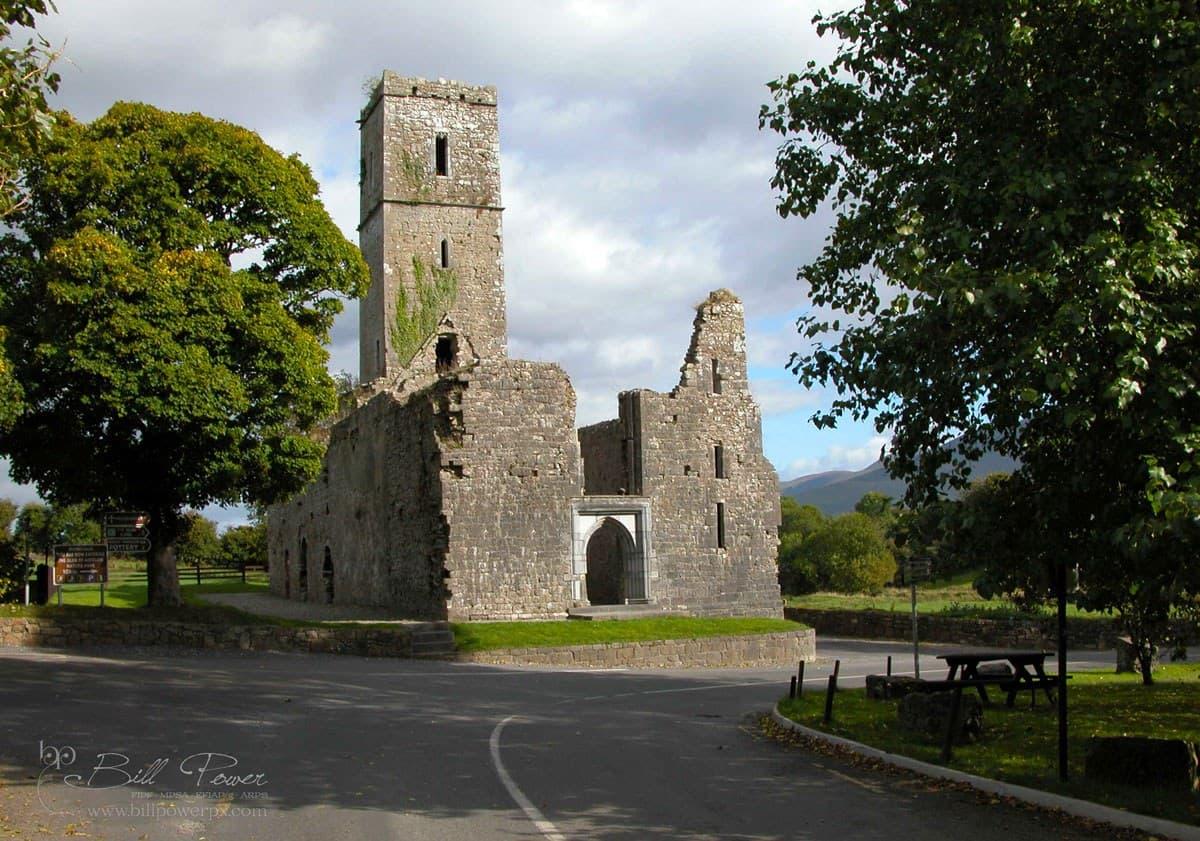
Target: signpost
(127,532)
(81,563)
(917,568)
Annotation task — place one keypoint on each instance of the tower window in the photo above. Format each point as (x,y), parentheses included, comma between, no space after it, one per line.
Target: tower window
(445,352)
(716,377)
(445,254)
(719,461)
(442,155)
(720,525)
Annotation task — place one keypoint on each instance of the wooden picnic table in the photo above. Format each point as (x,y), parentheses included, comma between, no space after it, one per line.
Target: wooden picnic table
(965,665)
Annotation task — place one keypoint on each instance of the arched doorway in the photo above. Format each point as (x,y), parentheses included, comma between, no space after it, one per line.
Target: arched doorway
(613,571)
(303,569)
(327,576)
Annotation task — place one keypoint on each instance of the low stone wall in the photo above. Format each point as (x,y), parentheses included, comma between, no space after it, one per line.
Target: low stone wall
(1097,634)
(734,652)
(62,633)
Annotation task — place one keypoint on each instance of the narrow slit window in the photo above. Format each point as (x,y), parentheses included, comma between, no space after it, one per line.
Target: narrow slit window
(719,461)
(716,376)
(442,154)
(445,254)
(720,525)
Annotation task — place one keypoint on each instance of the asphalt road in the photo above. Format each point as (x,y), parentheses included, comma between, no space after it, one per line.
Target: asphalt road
(330,747)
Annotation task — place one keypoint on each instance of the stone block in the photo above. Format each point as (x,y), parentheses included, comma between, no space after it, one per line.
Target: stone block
(1140,761)
(926,713)
(891,687)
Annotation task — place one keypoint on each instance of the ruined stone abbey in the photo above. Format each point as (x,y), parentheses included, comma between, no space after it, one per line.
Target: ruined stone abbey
(459,487)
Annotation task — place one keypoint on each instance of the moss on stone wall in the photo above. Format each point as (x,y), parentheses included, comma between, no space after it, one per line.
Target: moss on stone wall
(434,290)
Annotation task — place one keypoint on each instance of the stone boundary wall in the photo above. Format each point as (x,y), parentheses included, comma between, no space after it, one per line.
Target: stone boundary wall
(64,633)
(1096,634)
(747,651)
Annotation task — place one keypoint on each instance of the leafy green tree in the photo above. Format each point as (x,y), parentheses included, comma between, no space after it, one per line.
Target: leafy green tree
(850,555)
(245,545)
(26,78)
(878,506)
(1015,260)
(197,541)
(797,574)
(165,377)
(41,527)
(13,570)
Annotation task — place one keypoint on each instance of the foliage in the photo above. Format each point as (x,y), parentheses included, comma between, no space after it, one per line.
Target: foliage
(197,541)
(244,545)
(26,79)
(878,506)
(40,526)
(850,555)
(1015,263)
(435,288)
(169,378)
(796,573)
(1019,744)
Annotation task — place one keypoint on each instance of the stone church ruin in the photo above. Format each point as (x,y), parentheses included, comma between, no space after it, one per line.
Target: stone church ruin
(458,486)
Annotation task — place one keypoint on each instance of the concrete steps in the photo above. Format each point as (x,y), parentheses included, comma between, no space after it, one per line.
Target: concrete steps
(618,611)
(433,639)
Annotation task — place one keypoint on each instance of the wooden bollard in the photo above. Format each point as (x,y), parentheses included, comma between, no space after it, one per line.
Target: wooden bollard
(830,691)
(800,680)
(792,691)
(889,670)
(837,669)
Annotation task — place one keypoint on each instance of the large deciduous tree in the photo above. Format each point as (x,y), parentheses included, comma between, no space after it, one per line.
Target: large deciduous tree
(172,280)
(1015,259)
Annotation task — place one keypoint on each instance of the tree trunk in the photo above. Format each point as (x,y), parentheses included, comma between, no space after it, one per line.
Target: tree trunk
(162,575)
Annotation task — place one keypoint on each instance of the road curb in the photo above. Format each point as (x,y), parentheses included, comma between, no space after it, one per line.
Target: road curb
(1070,805)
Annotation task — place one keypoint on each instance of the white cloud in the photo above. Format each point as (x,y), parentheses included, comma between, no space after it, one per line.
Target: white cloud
(779,397)
(840,457)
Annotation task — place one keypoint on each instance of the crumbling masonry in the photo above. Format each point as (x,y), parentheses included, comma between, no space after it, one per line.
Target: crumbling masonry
(459,487)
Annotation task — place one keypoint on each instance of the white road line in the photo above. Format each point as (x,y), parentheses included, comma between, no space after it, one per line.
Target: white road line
(532,812)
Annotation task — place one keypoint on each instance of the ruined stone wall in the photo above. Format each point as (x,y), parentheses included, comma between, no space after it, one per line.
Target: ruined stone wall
(602,446)
(507,492)
(674,444)
(407,209)
(376,507)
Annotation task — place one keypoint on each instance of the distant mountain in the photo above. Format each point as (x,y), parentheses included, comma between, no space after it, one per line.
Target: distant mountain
(837,491)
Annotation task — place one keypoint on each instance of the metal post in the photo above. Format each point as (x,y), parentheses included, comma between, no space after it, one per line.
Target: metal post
(1062,671)
(830,691)
(800,681)
(889,669)
(916,649)
(837,670)
(792,690)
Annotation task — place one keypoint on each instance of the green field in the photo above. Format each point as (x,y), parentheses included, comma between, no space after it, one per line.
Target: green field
(947,597)
(1019,745)
(486,636)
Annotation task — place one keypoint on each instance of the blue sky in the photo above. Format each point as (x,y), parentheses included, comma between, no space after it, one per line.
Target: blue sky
(635,179)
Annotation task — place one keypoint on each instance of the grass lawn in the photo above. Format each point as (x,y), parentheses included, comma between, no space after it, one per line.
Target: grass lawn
(1020,745)
(485,636)
(947,597)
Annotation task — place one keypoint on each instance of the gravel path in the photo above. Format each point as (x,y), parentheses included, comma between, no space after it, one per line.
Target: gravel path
(266,604)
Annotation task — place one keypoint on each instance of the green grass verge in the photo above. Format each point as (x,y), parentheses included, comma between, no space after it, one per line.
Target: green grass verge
(485,636)
(950,597)
(1019,745)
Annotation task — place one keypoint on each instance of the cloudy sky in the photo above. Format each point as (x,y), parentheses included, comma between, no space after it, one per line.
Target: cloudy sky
(635,179)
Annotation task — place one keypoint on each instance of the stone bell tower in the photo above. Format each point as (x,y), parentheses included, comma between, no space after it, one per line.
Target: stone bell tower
(429,227)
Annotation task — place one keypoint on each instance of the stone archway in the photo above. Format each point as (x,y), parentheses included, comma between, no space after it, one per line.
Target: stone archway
(612,556)
(610,567)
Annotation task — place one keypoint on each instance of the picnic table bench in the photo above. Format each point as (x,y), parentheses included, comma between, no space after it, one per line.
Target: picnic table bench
(964,672)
